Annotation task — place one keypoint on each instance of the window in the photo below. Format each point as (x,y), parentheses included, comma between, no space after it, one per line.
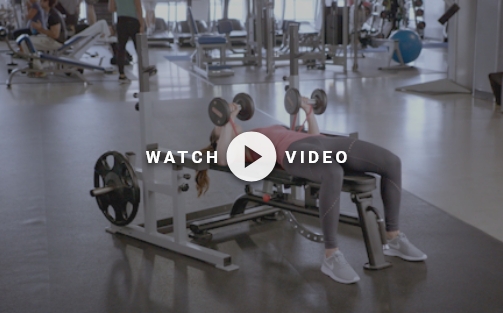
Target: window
(216,10)
(171,11)
(237,10)
(304,10)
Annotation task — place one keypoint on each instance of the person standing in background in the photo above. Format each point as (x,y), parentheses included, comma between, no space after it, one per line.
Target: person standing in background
(129,23)
(71,10)
(35,14)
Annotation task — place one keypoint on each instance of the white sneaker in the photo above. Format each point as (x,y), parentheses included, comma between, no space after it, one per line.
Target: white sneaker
(339,269)
(401,247)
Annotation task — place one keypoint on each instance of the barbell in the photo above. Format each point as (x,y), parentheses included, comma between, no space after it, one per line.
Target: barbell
(220,113)
(293,101)
(116,188)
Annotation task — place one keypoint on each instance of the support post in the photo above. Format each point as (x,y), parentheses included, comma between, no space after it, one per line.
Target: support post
(294,64)
(146,115)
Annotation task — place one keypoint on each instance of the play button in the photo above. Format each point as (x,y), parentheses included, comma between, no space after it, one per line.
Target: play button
(252,151)
(262,150)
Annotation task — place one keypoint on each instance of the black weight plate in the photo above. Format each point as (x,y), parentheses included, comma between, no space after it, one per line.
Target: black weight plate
(247,106)
(126,190)
(321,101)
(293,101)
(219,111)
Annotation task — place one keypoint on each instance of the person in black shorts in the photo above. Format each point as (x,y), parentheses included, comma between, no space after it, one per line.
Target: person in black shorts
(129,23)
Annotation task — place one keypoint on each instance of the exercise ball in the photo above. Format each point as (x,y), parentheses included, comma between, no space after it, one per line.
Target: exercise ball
(3,33)
(409,43)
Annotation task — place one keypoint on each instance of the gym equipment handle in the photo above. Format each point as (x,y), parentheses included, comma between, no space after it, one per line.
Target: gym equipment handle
(101,191)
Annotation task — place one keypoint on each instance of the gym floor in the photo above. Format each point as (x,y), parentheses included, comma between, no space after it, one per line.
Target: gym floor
(56,257)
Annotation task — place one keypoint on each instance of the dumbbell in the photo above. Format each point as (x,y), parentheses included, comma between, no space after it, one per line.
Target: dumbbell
(293,100)
(220,112)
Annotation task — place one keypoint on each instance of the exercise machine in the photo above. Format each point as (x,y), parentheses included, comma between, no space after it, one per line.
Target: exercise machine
(118,194)
(53,64)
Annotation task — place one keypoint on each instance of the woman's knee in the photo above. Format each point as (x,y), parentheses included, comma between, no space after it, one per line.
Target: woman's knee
(331,172)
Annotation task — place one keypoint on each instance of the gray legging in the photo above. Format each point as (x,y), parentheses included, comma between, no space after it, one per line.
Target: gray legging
(362,157)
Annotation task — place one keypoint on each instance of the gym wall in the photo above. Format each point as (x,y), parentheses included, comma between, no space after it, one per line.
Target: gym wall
(488,45)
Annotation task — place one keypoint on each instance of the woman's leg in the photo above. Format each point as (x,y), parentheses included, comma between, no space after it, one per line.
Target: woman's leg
(21,31)
(366,157)
(44,43)
(99,28)
(330,177)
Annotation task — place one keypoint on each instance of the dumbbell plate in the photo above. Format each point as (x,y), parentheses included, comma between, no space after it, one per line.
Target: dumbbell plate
(219,111)
(321,101)
(119,206)
(293,100)
(247,106)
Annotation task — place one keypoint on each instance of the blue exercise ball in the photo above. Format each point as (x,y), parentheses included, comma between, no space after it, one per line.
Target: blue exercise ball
(409,43)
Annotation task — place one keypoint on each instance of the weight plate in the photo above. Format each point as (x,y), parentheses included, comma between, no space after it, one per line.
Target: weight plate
(321,101)
(119,206)
(247,106)
(219,111)
(293,101)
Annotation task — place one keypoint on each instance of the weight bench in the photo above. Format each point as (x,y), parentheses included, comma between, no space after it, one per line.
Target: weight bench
(57,64)
(360,186)
(204,45)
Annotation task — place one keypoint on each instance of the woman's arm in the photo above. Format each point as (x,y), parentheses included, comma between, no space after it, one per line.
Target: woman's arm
(53,32)
(139,14)
(223,142)
(312,124)
(112,7)
(227,133)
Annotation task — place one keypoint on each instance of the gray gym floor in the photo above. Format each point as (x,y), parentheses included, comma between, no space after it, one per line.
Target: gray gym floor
(56,257)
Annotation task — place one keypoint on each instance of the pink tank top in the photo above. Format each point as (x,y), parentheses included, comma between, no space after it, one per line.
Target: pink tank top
(281,138)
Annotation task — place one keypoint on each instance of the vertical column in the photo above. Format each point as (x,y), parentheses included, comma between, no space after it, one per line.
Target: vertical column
(488,45)
(257,8)
(146,116)
(461,50)
(356,30)
(345,34)
(179,217)
(270,35)
(143,62)
(294,63)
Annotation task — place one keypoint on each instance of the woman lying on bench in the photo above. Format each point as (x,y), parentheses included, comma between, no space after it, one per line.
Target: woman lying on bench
(361,157)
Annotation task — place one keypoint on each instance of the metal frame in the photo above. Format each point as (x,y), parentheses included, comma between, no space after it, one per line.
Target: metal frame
(332,49)
(201,59)
(173,235)
(55,66)
(271,53)
(178,240)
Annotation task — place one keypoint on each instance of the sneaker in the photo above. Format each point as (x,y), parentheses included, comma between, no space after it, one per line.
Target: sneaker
(124,80)
(339,269)
(402,248)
